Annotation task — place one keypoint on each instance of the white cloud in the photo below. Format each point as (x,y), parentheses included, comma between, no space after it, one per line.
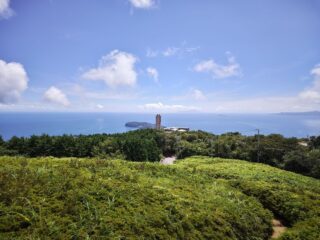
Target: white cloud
(313,93)
(115,69)
(316,71)
(160,107)
(232,69)
(55,95)
(5,10)
(306,100)
(152,72)
(13,81)
(99,106)
(197,94)
(142,3)
(151,53)
(310,94)
(170,51)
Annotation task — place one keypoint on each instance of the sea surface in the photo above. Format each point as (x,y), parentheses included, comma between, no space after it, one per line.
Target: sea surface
(27,124)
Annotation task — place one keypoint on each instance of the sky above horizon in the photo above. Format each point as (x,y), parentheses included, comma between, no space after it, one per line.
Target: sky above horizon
(160,56)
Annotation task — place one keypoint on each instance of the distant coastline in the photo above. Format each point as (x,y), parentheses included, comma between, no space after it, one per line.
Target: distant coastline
(311,113)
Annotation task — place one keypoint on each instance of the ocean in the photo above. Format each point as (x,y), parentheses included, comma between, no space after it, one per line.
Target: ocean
(27,124)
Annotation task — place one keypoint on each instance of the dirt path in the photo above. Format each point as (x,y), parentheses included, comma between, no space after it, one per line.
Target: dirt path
(168,160)
(278,228)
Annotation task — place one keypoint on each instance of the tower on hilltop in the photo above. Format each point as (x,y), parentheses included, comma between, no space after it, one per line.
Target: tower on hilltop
(158,121)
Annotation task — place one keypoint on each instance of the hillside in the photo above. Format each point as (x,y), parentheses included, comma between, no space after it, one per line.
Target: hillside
(292,197)
(197,198)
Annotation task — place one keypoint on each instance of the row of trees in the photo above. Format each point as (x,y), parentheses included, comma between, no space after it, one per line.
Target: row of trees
(298,155)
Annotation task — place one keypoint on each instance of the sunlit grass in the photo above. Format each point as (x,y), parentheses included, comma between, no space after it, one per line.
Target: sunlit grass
(197,198)
(294,198)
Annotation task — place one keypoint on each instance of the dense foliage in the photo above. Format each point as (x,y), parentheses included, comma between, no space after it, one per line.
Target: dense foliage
(293,198)
(197,198)
(49,198)
(298,155)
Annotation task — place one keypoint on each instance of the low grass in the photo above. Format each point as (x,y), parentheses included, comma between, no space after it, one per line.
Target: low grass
(197,198)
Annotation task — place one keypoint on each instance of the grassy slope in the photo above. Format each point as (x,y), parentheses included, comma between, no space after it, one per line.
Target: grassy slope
(293,197)
(198,198)
(63,198)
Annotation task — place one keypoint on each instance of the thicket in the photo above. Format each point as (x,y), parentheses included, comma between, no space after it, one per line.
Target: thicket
(293,154)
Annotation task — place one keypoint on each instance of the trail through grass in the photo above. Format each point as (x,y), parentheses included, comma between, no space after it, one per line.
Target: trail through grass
(196,198)
(292,197)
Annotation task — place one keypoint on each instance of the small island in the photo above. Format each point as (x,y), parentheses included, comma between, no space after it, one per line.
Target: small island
(141,125)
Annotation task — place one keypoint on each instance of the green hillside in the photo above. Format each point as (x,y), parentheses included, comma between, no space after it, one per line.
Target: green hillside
(197,198)
(292,197)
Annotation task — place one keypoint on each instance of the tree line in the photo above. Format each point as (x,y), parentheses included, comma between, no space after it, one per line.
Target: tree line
(293,154)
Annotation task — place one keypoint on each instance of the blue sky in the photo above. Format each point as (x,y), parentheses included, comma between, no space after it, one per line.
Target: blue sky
(160,55)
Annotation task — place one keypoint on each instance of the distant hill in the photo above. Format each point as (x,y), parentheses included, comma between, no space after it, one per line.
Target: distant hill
(311,113)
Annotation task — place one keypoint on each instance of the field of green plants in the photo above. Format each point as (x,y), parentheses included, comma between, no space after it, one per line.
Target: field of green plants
(197,198)
(291,197)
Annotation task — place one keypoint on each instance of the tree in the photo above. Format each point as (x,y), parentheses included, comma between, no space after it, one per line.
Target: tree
(187,149)
(136,149)
(17,145)
(297,161)
(314,142)
(108,148)
(314,159)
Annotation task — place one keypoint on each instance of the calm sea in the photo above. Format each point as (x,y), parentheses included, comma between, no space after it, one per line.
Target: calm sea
(26,124)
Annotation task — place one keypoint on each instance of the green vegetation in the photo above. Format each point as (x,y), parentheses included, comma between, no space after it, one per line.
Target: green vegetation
(87,194)
(297,155)
(196,198)
(50,198)
(293,198)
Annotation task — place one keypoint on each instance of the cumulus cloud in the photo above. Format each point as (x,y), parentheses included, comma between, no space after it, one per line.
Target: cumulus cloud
(143,4)
(5,10)
(197,94)
(152,72)
(313,93)
(160,107)
(13,81)
(232,69)
(115,69)
(55,95)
